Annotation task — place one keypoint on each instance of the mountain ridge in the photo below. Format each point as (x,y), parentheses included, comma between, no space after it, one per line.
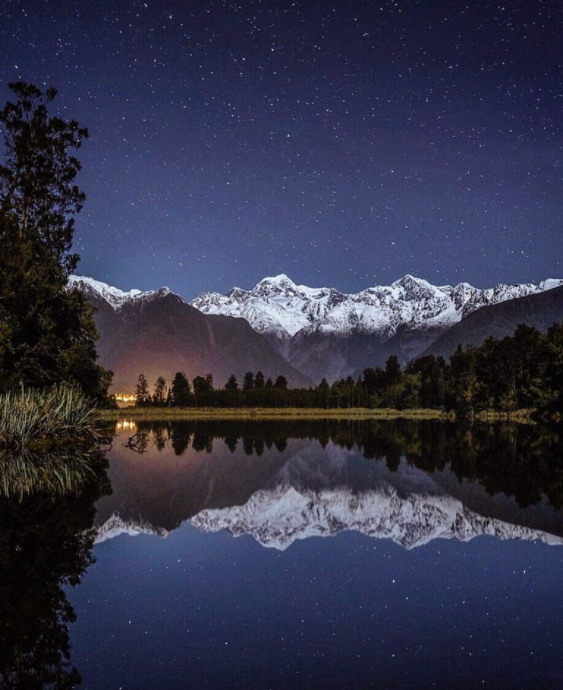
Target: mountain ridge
(278,306)
(324,333)
(538,310)
(158,333)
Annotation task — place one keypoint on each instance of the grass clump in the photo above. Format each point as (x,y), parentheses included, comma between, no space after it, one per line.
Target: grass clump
(57,473)
(45,418)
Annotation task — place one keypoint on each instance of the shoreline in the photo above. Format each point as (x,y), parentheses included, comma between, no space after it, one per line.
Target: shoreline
(288,413)
(269,413)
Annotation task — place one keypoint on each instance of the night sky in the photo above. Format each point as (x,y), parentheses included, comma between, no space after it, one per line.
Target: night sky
(342,143)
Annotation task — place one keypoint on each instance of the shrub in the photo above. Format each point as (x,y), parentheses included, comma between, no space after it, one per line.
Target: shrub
(53,415)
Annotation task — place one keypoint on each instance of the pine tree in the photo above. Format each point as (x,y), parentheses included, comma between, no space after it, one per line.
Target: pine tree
(200,385)
(259,381)
(47,332)
(281,382)
(392,370)
(323,392)
(248,381)
(180,390)
(142,391)
(232,383)
(159,396)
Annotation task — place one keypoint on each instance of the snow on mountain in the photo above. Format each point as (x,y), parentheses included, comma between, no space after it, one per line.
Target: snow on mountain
(279,517)
(112,295)
(277,306)
(274,306)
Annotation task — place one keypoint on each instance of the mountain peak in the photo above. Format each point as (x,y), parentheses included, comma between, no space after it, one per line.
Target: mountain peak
(113,295)
(409,281)
(281,280)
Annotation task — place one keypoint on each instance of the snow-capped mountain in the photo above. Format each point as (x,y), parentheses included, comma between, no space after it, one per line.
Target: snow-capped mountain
(279,517)
(115,526)
(277,306)
(319,332)
(158,333)
(539,310)
(114,296)
(322,495)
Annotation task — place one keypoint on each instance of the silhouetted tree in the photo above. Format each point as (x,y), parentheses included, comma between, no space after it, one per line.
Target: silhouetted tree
(259,381)
(392,371)
(181,390)
(248,381)
(524,370)
(159,396)
(200,385)
(47,332)
(142,391)
(232,383)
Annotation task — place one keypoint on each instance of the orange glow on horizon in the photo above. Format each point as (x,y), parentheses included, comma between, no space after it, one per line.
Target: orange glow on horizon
(125,397)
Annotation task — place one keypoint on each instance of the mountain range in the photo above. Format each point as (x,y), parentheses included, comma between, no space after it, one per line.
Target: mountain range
(326,333)
(304,333)
(278,307)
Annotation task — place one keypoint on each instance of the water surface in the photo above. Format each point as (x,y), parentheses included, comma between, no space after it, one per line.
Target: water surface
(295,555)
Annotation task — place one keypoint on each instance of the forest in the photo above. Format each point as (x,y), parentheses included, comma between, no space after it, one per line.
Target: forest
(520,372)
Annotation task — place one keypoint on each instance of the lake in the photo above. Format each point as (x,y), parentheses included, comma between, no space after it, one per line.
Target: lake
(303,554)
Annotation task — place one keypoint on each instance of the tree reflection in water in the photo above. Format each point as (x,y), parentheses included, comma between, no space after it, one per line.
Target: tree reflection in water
(524,461)
(47,506)
(46,538)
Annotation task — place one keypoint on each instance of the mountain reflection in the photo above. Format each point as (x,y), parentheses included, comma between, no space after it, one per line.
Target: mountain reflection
(409,482)
(281,481)
(46,539)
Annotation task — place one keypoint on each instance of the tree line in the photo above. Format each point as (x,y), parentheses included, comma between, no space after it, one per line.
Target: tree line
(254,391)
(522,371)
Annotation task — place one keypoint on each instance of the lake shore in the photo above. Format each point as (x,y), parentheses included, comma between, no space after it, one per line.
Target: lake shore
(269,413)
(353,413)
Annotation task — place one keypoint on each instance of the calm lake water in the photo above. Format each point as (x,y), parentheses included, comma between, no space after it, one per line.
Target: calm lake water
(290,555)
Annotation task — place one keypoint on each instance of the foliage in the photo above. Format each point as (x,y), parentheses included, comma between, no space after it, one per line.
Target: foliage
(57,473)
(142,391)
(32,417)
(180,390)
(45,547)
(47,332)
(159,396)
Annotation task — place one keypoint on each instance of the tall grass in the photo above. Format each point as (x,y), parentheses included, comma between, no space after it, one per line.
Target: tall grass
(33,417)
(57,473)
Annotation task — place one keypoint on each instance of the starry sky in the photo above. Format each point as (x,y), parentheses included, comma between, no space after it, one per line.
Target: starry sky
(342,143)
